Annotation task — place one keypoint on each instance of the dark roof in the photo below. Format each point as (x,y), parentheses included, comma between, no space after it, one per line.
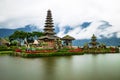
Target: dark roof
(46,37)
(49,37)
(67,37)
(49,32)
(48,28)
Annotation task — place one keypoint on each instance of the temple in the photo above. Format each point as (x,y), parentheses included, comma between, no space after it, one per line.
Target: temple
(49,40)
(67,40)
(94,42)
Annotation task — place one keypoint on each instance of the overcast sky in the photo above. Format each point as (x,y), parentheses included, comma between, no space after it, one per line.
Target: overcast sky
(17,13)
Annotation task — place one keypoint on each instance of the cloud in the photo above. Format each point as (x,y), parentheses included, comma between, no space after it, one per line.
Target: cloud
(17,13)
(99,28)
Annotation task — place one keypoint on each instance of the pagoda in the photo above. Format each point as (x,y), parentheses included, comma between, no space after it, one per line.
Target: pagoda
(94,42)
(49,38)
(49,30)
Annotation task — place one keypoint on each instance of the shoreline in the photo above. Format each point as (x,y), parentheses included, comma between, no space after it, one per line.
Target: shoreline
(52,54)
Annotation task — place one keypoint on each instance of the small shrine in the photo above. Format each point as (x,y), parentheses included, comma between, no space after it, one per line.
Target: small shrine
(67,41)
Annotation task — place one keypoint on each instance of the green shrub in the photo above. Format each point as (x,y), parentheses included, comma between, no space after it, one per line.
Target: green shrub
(49,54)
(4,48)
(6,52)
(117,50)
(13,48)
(63,50)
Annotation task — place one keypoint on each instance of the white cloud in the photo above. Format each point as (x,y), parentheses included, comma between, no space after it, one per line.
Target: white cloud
(15,13)
(99,28)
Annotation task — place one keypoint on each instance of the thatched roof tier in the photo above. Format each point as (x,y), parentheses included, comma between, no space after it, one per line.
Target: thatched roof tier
(48,28)
(67,37)
(49,37)
(49,22)
(51,26)
(49,32)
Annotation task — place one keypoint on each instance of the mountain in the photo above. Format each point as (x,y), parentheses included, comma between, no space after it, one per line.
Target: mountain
(27,28)
(80,32)
(113,41)
(6,32)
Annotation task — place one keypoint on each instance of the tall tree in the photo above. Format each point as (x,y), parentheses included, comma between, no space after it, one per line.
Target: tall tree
(21,35)
(18,35)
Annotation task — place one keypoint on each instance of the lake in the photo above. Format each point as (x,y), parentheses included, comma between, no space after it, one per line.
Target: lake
(79,67)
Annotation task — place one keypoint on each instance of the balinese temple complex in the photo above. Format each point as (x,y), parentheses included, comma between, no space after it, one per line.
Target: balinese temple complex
(49,40)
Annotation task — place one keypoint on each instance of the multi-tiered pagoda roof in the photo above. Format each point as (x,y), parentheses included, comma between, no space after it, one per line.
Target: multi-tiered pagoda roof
(49,30)
(49,27)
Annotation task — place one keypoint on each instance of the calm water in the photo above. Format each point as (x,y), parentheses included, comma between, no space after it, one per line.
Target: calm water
(83,67)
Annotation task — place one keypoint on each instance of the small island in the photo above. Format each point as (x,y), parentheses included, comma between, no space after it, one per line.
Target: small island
(48,44)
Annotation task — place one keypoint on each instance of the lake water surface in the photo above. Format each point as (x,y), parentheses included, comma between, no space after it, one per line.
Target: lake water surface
(80,67)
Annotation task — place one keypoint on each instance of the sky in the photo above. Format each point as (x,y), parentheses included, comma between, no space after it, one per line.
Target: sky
(104,16)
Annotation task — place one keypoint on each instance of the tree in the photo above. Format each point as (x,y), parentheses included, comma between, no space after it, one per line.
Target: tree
(18,35)
(38,34)
(21,36)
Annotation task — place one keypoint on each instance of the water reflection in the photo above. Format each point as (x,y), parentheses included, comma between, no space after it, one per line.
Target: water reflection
(83,67)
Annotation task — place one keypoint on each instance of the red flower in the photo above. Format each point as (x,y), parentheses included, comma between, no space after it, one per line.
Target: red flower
(76,50)
(18,50)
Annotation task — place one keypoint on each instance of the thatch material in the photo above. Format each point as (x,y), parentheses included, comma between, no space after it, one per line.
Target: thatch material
(67,37)
(49,37)
(46,37)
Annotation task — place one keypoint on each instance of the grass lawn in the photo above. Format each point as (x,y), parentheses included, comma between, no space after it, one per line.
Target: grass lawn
(5,52)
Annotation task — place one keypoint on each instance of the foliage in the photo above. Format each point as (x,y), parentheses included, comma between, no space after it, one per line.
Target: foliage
(117,49)
(38,34)
(13,48)
(14,43)
(18,35)
(49,54)
(6,52)
(102,45)
(63,50)
(21,35)
(4,48)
